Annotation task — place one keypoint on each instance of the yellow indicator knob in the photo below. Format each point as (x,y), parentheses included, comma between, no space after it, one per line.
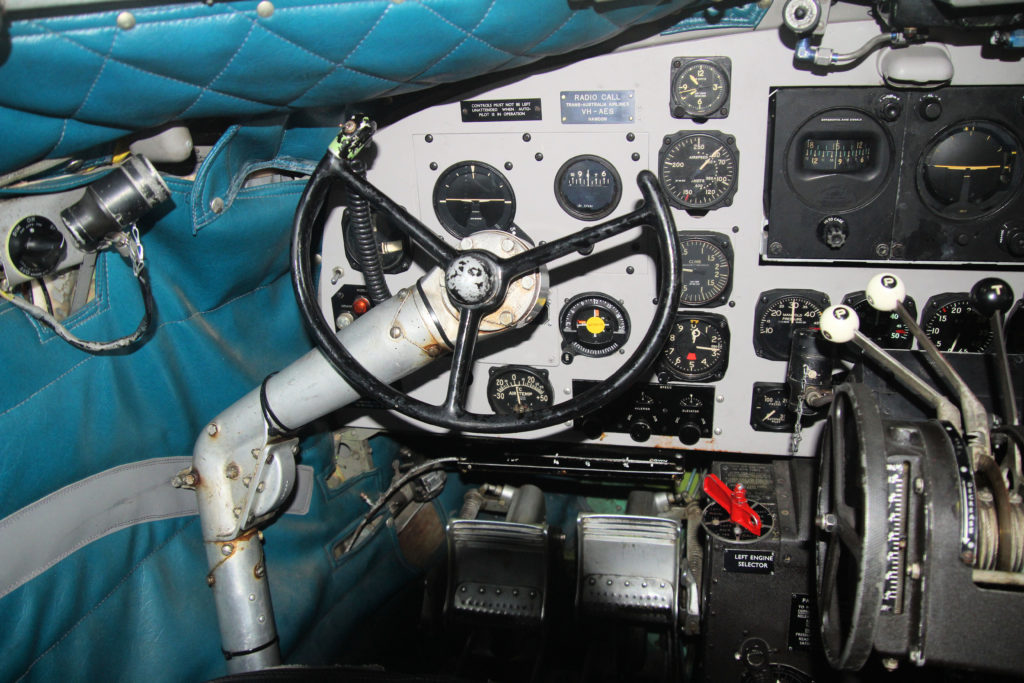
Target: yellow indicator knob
(595,325)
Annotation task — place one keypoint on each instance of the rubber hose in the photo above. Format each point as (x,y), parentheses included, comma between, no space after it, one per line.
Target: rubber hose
(367,250)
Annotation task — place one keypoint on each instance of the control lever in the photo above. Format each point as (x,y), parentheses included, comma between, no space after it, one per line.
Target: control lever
(734,501)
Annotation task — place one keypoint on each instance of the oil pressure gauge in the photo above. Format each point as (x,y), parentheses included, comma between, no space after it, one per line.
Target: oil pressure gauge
(518,389)
(593,324)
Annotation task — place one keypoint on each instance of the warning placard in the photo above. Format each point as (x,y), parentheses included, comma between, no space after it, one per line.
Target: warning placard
(477,111)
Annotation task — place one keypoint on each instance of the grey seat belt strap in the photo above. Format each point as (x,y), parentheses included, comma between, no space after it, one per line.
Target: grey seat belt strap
(40,535)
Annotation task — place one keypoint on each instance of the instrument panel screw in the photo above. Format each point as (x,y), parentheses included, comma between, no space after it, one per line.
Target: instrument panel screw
(635,156)
(428,137)
(775,248)
(630,137)
(882,249)
(538,156)
(527,137)
(890,663)
(828,522)
(433,165)
(508,165)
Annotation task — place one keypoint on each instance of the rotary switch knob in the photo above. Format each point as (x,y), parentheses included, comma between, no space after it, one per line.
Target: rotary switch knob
(640,431)
(689,433)
(833,231)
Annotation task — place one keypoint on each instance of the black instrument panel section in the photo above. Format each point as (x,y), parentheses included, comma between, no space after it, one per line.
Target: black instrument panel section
(870,174)
(646,410)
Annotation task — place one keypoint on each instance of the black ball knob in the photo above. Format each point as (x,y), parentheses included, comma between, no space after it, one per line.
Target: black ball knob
(640,431)
(890,107)
(990,295)
(689,433)
(592,428)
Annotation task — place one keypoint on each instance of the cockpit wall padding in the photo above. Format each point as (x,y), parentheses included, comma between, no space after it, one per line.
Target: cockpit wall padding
(68,83)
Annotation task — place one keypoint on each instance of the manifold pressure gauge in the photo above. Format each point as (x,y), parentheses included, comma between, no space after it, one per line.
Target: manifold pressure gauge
(779,313)
(707,268)
(518,389)
(700,87)
(593,324)
(472,196)
(698,170)
(697,349)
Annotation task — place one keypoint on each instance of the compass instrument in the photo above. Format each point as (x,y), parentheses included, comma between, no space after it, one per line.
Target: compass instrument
(698,170)
(472,196)
(593,324)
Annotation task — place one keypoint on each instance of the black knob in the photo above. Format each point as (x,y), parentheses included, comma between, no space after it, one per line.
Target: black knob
(36,246)
(890,107)
(639,431)
(690,433)
(930,108)
(833,231)
(1015,242)
(990,295)
(592,428)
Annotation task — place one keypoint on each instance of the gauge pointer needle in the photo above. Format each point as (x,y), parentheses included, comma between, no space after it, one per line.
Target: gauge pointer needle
(710,157)
(952,347)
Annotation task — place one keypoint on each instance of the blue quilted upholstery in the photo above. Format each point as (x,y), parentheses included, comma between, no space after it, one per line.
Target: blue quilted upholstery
(70,83)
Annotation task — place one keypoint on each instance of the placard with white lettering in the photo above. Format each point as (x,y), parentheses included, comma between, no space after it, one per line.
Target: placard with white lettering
(481,111)
(598,106)
(749,561)
(800,620)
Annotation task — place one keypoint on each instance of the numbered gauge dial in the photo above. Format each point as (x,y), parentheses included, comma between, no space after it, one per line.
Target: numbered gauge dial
(35,246)
(700,88)
(706,270)
(594,325)
(953,324)
(885,328)
(779,313)
(769,408)
(472,196)
(698,170)
(970,170)
(587,187)
(518,389)
(697,349)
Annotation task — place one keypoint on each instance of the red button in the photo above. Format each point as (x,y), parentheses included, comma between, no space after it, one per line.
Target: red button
(361,305)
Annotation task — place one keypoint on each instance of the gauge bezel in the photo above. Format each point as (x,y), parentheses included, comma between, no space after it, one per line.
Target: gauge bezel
(759,393)
(445,218)
(999,200)
(713,373)
(764,346)
(727,141)
(618,311)
(858,299)
(724,245)
(679,109)
(572,209)
(494,373)
(936,302)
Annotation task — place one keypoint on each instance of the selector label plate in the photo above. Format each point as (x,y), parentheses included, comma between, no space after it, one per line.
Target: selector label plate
(749,561)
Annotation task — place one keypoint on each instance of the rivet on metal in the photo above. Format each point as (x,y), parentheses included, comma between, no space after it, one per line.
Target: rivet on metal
(507,245)
(505,317)
(226,549)
(211,429)
(396,332)
(231,472)
(259,489)
(527,282)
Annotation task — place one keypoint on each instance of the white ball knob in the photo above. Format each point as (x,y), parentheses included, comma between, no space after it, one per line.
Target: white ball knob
(839,323)
(884,291)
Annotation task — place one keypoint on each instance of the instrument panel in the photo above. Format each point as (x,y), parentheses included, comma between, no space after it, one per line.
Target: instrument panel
(727,166)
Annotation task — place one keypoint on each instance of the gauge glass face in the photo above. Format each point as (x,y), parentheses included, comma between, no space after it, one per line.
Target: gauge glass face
(698,171)
(697,349)
(970,170)
(779,317)
(700,88)
(588,187)
(517,390)
(706,271)
(957,326)
(472,196)
(885,328)
(769,408)
(593,325)
(36,247)
(836,155)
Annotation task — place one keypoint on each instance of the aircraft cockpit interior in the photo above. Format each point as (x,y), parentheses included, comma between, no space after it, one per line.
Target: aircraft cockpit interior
(493,340)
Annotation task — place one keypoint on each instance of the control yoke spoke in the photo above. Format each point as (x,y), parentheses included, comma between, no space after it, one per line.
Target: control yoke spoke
(462,361)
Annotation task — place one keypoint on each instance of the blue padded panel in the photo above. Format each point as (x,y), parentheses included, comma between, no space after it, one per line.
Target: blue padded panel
(223,60)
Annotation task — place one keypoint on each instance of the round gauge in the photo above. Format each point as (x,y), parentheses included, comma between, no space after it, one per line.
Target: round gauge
(593,324)
(698,170)
(779,312)
(472,196)
(885,328)
(392,244)
(588,187)
(969,170)
(769,408)
(697,349)
(706,270)
(36,247)
(699,89)
(517,390)
(953,324)
(717,522)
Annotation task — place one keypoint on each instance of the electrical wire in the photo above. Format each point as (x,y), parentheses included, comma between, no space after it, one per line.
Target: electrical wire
(395,488)
(96,348)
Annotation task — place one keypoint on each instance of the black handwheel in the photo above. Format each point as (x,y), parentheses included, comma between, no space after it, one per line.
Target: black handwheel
(474,306)
(852,519)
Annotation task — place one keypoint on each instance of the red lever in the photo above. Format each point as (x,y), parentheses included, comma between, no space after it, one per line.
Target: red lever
(734,501)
